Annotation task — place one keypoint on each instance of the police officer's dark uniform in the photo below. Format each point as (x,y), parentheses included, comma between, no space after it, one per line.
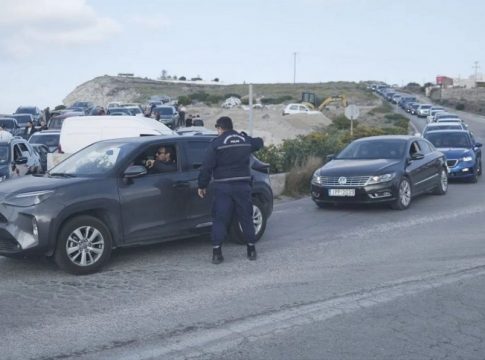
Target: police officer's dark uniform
(228,162)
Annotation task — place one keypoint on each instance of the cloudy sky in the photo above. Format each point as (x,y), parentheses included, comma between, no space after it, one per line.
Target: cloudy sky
(48,47)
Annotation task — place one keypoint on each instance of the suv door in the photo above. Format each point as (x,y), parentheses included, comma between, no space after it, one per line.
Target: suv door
(153,205)
(198,211)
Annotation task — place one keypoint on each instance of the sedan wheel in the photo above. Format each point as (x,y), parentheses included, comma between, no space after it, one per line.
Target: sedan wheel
(404,195)
(83,246)
(442,186)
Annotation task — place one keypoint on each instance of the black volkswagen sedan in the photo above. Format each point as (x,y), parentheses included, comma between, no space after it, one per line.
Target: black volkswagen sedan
(381,169)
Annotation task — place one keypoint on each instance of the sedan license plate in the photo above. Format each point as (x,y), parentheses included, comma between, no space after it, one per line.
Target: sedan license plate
(341,192)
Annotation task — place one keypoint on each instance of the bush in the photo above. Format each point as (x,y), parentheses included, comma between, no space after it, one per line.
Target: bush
(213,99)
(460,106)
(199,96)
(278,100)
(298,179)
(182,78)
(184,100)
(227,96)
(342,123)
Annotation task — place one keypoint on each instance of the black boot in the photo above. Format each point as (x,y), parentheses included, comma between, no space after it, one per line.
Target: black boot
(252,252)
(217,257)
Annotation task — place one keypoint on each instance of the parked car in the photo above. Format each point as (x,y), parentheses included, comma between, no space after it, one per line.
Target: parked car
(23,119)
(56,122)
(298,109)
(423,110)
(463,153)
(102,198)
(118,111)
(36,113)
(169,116)
(381,169)
(11,125)
(49,138)
(17,158)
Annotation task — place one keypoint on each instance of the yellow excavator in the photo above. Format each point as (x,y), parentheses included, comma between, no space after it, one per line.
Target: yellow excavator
(311,100)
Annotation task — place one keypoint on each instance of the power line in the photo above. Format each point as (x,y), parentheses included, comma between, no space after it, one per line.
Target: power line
(476,66)
(294,68)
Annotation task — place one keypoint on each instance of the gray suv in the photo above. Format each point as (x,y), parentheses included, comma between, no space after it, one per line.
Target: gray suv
(103,197)
(168,116)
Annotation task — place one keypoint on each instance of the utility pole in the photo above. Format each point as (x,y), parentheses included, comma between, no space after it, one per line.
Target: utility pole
(294,68)
(476,66)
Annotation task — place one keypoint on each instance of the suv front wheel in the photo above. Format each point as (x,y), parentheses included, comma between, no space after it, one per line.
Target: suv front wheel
(83,246)
(259,220)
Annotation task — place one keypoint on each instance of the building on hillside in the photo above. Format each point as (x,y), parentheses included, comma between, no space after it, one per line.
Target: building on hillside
(469,82)
(444,81)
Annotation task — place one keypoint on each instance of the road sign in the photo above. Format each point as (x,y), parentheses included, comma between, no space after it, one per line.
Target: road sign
(352,112)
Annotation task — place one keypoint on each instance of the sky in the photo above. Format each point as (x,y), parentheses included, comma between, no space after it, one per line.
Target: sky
(48,47)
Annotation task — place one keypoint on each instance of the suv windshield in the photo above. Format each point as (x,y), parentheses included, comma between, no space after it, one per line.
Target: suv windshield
(164,110)
(97,159)
(22,119)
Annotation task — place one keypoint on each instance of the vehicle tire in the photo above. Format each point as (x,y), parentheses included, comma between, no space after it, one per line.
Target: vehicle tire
(83,246)
(442,186)
(479,169)
(474,177)
(260,219)
(322,205)
(404,195)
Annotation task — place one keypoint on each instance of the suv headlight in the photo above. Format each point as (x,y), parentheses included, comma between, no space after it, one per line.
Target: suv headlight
(381,178)
(467,158)
(28,198)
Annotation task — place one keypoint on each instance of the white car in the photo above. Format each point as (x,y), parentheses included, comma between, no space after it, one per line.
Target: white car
(298,109)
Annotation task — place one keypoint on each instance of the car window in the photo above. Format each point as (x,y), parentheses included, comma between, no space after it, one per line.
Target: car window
(293,107)
(196,151)
(149,157)
(414,148)
(4,154)
(17,153)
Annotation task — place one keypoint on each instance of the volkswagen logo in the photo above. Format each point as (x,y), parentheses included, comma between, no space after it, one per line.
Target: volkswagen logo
(342,180)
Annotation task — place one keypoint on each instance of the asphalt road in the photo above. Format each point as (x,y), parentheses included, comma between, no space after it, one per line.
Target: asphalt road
(339,283)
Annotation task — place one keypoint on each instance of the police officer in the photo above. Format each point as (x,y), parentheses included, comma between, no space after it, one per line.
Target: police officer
(228,162)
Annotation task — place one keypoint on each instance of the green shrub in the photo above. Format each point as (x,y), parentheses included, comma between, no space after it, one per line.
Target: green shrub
(213,99)
(226,96)
(184,100)
(460,106)
(384,108)
(342,123)
(199,96)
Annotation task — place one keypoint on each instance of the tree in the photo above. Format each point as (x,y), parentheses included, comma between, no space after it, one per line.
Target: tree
(216,80)
(164,75)
(182,78)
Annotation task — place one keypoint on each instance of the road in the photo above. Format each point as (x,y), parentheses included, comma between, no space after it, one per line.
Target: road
(338,283)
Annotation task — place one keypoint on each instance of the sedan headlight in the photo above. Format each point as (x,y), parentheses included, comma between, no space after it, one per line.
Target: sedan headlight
(316,179)
(467,158)
(381,178)
(28,198)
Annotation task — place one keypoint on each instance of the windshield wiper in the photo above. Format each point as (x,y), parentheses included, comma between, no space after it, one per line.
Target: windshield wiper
(66,175)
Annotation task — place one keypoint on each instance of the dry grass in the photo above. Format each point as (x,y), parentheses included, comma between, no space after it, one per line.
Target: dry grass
(298,179)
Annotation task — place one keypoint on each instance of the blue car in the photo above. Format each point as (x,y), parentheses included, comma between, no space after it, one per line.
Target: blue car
(463,153)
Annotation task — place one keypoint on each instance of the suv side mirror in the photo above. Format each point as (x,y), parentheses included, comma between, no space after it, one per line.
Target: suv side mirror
(330,157)
(134,171)
(478,145)
(21,160)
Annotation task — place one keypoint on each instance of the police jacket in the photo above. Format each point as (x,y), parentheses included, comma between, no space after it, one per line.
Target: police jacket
(228,157)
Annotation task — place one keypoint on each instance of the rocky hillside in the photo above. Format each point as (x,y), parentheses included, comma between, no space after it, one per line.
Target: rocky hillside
(104,89)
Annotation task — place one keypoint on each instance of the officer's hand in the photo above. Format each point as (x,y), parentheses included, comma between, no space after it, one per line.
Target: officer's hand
(149,163)
(243,133)
(201,193)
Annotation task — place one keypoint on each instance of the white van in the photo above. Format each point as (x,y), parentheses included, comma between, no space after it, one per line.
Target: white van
(80,131)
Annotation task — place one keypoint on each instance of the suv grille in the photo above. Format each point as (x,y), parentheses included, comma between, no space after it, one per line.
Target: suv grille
(8,245)
(350,180)
(451,163)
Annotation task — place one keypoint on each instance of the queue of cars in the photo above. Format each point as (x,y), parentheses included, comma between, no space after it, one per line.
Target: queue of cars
(394,169)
